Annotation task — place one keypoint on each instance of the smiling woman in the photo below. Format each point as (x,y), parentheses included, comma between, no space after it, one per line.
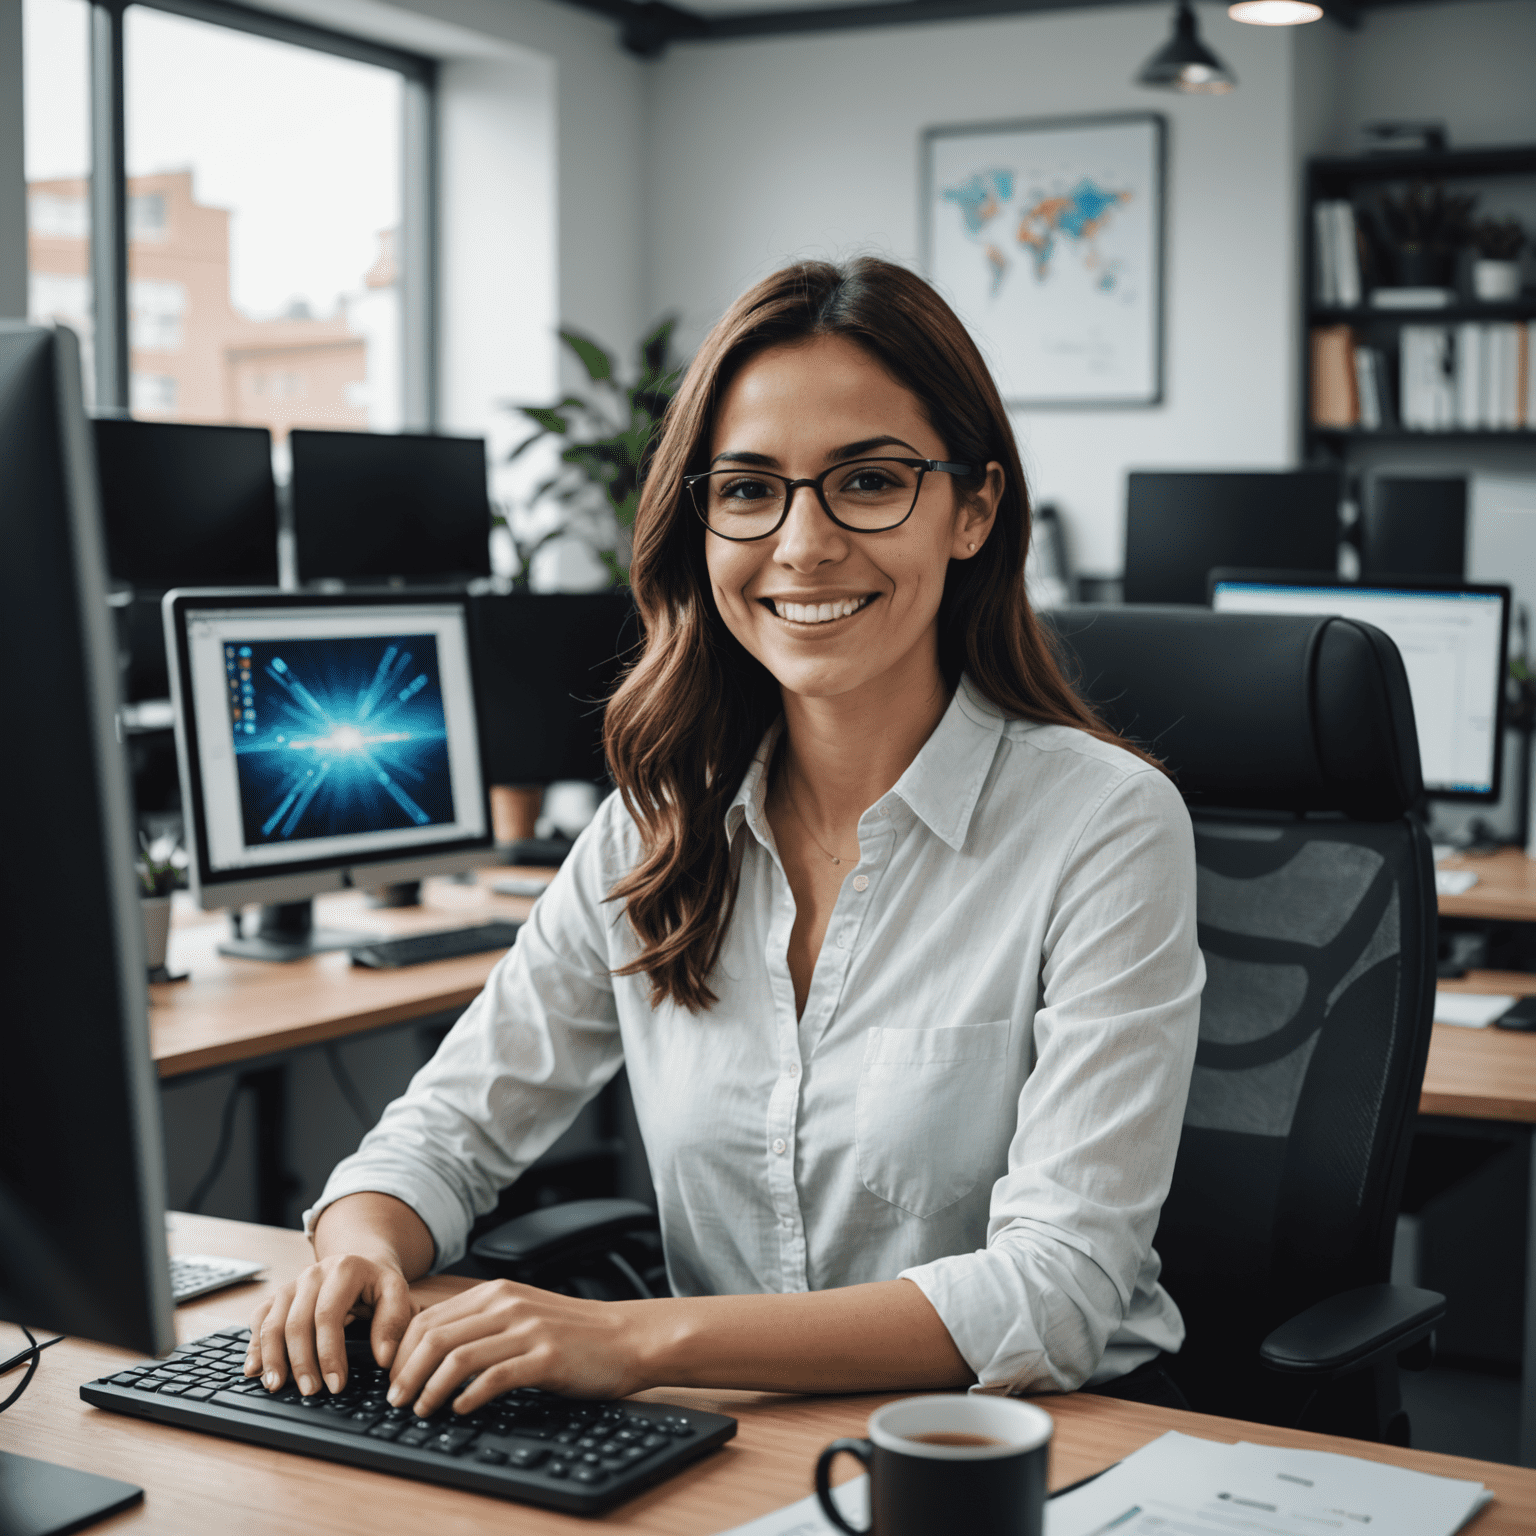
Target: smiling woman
(895,941)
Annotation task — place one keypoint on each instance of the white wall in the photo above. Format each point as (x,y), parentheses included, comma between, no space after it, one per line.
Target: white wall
(1471,65)
(773,149)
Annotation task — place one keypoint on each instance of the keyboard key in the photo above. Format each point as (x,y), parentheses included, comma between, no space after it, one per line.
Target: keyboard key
(449,1442)
(122,1379)
(413,1437)
(492,1458)
(558,1469)
(385,1431)
(173,1389)
(655,1442)
(589,1475)
(148,1384)
(613,1464)
(197,1394)
(530,1456)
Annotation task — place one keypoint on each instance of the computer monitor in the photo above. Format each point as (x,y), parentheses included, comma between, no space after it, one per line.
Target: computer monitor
(547,664)
(1180,525)
(1414,526)
(370,506)
(323,740)
(187,506)
(1454,640)
(82,1197)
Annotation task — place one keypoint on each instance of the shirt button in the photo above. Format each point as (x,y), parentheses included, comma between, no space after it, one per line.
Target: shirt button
(861,882)
(792,1070)
(779,1144)
(842,941)
(788,1221)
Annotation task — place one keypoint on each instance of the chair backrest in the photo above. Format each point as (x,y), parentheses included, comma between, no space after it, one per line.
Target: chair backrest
(1292,740)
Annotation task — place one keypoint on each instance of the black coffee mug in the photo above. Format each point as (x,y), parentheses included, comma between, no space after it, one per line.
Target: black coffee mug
(949,1463)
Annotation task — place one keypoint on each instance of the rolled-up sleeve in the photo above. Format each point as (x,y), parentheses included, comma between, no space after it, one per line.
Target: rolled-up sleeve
(540,1040)
(1073,1219)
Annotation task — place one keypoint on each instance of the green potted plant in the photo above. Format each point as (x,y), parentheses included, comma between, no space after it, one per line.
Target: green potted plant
(1422,228)
(1496,271)
(605,435)
(161,865)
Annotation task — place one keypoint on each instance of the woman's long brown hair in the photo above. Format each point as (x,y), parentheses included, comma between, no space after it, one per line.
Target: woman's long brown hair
(684,724)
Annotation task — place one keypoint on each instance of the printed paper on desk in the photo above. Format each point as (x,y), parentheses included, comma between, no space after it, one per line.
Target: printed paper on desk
(1471,1010)
(806,1519)
(1205,1488)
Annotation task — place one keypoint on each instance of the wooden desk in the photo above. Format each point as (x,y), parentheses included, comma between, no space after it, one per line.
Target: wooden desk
(237,1010)
(195,1483)
(1505,889)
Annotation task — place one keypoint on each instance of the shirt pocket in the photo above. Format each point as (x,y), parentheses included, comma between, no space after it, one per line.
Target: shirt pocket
(926,1119)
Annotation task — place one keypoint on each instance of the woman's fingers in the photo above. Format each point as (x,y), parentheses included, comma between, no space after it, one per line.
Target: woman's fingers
(393,1312)
(424,1348)
(299,1332)
(335,1301)
(253,1348)
(274,1353)
(496,1363)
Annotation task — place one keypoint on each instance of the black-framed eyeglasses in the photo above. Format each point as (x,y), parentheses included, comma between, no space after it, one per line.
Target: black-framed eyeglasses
(863,495)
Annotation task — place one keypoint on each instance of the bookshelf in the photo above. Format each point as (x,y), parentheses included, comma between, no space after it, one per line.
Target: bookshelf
(1358,180)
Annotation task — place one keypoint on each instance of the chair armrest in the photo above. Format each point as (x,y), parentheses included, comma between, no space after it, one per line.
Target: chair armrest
(1352,1330)
(563,1232)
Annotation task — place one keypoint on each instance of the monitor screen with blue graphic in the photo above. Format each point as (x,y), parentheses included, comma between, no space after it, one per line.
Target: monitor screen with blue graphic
(330,730)
(337,736)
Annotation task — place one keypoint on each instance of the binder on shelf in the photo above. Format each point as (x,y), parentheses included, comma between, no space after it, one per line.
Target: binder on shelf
(1469,377)
(1337,244)
(1335,394)
(1347,250)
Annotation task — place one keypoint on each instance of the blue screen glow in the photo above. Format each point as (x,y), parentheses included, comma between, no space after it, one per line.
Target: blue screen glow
(338,736)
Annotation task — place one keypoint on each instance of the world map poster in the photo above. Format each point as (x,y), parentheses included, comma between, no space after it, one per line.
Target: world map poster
(1047,238)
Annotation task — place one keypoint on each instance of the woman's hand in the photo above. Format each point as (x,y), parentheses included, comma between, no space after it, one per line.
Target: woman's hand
(301,1326)
(506,1335)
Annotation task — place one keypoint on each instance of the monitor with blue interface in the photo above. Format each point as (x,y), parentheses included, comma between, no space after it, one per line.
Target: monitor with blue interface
(1454,639)
(324,741)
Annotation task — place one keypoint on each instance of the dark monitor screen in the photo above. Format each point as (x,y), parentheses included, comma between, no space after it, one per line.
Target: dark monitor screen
(1415,526)
(547,663)
(370,506)
(82,1200)
(1180,525)
(187,505)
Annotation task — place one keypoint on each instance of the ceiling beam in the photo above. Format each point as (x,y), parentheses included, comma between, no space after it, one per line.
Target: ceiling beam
(647,27)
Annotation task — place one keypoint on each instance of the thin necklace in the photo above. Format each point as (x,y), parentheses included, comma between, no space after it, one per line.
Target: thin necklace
(800,817)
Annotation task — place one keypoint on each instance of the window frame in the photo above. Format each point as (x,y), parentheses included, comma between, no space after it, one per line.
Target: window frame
(418,192)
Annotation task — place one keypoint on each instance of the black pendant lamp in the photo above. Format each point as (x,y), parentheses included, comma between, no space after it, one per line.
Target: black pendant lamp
(1184,63)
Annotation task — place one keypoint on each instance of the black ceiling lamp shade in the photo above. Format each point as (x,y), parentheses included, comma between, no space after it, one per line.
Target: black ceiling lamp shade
(1184,63)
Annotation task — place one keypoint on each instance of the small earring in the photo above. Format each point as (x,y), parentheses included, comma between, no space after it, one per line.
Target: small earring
(970,546)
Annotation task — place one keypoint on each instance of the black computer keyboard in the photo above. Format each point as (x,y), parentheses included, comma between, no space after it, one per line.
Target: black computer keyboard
(568,1454)
(418,948)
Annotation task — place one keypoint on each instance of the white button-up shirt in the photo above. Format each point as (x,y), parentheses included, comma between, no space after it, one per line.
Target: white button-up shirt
(983,1094)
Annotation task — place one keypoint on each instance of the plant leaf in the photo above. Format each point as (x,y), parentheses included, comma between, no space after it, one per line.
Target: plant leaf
(598,364)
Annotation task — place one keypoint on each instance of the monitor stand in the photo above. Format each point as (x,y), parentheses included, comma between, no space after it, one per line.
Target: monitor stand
(407,893)
(38,1498)
(287,932)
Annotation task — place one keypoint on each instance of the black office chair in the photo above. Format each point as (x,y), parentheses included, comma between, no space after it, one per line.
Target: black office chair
(1292,740)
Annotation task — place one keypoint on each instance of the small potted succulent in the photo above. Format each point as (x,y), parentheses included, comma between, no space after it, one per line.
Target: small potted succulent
(160,869)
(1496,271)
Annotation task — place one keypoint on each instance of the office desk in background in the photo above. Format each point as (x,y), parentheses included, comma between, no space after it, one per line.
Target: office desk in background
(195,1483)
(234,1011)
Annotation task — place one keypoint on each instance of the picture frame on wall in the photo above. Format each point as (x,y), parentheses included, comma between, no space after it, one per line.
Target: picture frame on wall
(1046,235)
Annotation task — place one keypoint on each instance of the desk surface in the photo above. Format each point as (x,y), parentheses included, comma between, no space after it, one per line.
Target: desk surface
(235,1010)
(196,1483)
(1505,889)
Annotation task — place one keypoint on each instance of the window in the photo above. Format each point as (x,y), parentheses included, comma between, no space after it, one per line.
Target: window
(259,249)
(58,165)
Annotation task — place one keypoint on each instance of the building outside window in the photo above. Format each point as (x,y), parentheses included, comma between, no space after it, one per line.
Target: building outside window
(263,206)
